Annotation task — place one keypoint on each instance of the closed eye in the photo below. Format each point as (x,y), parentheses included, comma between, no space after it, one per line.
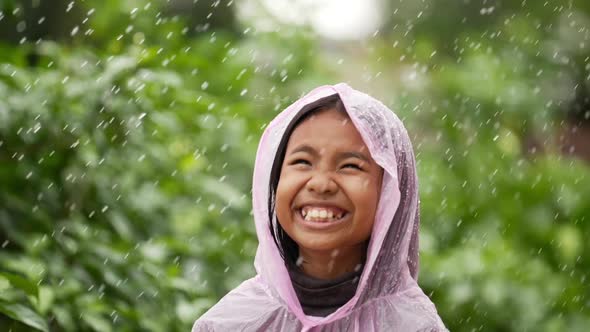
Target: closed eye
(300,162)
(354,166)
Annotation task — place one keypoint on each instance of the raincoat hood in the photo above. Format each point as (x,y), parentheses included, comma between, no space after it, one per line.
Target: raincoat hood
(387,297)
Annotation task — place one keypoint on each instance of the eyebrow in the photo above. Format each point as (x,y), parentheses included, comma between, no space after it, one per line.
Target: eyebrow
(344,155)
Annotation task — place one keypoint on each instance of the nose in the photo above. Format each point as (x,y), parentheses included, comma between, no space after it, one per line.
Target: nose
(321,183)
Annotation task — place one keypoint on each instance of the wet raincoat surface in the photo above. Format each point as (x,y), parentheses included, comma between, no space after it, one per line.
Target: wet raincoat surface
(387,297)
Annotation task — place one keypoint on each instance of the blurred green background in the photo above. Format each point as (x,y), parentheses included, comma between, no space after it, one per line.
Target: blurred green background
(128,131)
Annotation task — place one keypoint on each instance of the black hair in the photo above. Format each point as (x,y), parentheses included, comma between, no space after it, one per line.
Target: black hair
(287,247)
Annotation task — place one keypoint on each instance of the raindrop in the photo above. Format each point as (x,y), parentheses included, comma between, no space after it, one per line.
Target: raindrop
(21,26)
(487,11)
(299,261)
(242,72)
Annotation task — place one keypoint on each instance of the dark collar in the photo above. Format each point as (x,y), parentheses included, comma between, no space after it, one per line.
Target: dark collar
(320,297)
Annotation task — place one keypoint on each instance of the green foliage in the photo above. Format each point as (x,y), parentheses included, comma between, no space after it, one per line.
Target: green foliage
(114,249)
(503,231)
(504,237)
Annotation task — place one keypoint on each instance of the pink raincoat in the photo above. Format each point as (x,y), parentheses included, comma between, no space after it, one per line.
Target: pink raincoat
(387,297)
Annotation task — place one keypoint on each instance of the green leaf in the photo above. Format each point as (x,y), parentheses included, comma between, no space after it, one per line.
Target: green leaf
(21,283)
(96,322)
(24,315)
(223,191)
(46,299)
(4,283)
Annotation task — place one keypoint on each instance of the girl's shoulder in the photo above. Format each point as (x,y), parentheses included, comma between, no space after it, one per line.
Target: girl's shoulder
(247,307)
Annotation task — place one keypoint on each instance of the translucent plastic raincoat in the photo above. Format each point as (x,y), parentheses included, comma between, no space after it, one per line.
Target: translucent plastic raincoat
(387,297)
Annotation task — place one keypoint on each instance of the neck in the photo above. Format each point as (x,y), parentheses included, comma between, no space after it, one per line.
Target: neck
(331,264)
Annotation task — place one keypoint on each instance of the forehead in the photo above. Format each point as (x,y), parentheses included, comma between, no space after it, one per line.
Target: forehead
(328,128)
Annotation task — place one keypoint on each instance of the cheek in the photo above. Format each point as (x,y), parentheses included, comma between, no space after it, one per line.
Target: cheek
(281,197)
(286,191)
(367,194)
(368,186)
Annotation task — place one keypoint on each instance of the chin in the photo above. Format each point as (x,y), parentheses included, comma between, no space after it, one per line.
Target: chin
(318,245)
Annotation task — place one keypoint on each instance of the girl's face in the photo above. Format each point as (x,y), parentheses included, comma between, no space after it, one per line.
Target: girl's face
(329,185)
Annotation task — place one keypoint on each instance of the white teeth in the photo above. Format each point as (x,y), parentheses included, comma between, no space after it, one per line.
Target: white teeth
(309,213)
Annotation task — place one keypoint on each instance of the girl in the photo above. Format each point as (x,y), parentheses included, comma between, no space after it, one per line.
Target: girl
(336,210)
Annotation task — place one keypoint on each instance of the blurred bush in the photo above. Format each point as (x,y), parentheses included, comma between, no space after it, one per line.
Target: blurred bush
(118,188)
(505,215)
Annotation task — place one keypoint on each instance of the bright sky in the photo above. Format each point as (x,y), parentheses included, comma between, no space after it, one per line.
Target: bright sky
(336,19)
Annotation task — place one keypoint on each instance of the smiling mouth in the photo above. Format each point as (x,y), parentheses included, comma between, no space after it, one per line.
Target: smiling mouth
(322,214)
